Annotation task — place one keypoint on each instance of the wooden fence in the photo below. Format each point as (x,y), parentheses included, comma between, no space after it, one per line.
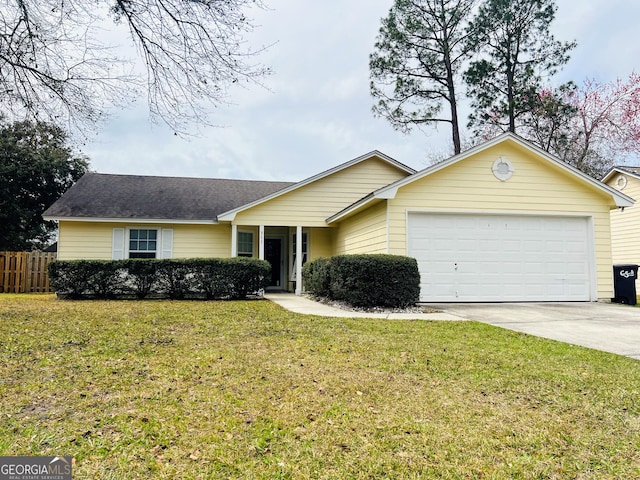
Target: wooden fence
(24,272)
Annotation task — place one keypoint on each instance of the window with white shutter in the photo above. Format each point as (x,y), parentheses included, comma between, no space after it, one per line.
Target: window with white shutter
(142,243)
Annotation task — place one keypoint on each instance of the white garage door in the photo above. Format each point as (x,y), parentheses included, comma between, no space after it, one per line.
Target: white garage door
(501,258)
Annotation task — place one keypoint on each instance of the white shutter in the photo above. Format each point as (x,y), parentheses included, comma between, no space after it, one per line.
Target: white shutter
(167,243)
(117,245)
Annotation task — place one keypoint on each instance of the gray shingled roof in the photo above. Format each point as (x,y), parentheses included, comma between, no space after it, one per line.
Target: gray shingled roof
(98,195)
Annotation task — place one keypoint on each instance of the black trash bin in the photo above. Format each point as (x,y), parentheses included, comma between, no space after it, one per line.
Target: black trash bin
(624,284)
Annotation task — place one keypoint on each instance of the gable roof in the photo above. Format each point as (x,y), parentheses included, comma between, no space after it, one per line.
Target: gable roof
(391,190)
(101,197)
(230,215)
(633,171)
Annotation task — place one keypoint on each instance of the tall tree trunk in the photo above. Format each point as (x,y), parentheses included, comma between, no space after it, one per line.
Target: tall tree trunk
(455,125)
(510,97)
(453,102)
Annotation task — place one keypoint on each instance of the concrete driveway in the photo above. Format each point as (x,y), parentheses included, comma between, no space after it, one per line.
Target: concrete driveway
(611,327)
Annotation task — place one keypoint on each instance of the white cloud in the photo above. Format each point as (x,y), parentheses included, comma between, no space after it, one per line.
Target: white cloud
(606,32)
(316,110)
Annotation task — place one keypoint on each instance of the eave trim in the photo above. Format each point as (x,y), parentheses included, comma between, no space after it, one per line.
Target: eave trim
(132,220)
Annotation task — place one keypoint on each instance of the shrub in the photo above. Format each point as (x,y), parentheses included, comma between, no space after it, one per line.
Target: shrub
(176,279)
(316,277)
(210,279)
(100,278)
(141,278)
(246,275)
(366,280)
(105,278)
(70,277)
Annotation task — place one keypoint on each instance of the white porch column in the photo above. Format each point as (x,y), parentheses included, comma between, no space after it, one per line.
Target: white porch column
(298,260)
(234,240)
(261,243)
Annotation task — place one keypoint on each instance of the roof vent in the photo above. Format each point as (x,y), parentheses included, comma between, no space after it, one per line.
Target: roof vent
(502,169)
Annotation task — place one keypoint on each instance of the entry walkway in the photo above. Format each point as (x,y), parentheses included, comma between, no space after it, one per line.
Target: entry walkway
(306,306)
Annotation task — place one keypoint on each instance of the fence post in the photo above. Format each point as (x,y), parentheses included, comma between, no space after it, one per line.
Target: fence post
(29,272)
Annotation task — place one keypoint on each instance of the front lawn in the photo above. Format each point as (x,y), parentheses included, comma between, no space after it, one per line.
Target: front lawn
(159,389)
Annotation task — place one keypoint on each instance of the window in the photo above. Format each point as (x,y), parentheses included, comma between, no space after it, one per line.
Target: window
(245,244)
(143,243)
(305,247)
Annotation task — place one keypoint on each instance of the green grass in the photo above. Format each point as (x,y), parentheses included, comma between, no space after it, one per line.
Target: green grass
(158,389)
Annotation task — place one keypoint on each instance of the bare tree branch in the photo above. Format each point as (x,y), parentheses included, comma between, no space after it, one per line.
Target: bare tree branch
(55,64)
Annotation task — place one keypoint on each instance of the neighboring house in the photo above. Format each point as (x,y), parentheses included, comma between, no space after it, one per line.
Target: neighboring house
(625,223)
(503,221)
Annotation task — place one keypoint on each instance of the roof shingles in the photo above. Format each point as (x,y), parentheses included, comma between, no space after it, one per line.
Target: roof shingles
(98,195)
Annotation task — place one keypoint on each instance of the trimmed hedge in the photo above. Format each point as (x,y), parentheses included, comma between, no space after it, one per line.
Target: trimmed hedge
(315,275)
(389,281)
(229,278)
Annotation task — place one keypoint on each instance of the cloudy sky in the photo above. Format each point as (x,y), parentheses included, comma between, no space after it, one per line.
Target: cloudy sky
(316,111)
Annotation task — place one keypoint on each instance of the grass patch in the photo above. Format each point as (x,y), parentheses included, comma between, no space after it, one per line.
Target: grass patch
(160,389)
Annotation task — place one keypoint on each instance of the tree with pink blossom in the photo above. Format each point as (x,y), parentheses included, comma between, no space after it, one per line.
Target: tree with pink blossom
(592,126)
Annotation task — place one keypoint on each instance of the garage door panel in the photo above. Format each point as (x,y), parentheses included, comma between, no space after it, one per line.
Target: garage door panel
(533,245)
(489,267)
(511,246)
(491,247)
(576,247)
(514,291)
(556,268)
(537,290)
(440,290)
(577,269)
(509,268)
(441,244)
(554,246)
(532,268)
(575,290)
(501,258)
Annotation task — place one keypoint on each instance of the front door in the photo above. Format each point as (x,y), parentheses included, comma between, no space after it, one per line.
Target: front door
(273,253)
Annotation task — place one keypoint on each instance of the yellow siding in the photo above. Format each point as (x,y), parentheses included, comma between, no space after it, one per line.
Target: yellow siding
(92,240)
(312,204)
(536,186)
(202,241)
(625,226)
(321,242)
(84,240)
(365,232)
